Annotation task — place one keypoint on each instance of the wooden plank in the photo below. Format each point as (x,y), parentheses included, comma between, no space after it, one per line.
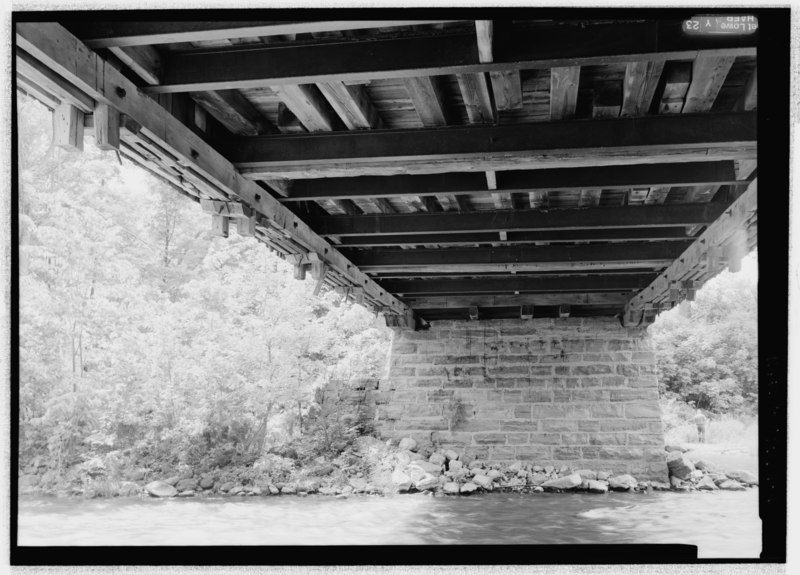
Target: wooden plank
(517,181)
(564,92)
(637,196)
(521,284)
(288,122)
(436,55)
(523,300)
(519,220)
(484,31)
(657,195)
(507,89)
(607,101)
(137,33)
(477,101)
(749,99)
(352,104)
(235,112)
(68,128)
(53,83)
(67,56)
(708,75)
(348,207)
(722,232)
(677,76)
(307,103)
(590,198)
(33,90)
(431,204)
(563,310)
(538,199)
(384,206)
(426,96)
(502,201)
(650,139)
(145,61)
(550,236)
(463,203)
(106,127)
(641,80)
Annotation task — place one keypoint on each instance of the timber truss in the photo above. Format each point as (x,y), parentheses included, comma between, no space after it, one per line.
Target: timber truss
(435,169)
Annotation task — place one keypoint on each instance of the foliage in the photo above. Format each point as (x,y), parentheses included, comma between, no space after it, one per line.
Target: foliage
(143,335)
(707,350)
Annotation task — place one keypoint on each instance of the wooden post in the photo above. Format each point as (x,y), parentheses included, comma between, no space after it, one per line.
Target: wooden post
(219,225)
(299,271)
(526,312)
(246,226)
(564,310)
(68,127)
(691,289)
(106,127)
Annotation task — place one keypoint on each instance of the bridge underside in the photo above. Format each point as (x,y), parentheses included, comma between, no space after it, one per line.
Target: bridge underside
(530,192)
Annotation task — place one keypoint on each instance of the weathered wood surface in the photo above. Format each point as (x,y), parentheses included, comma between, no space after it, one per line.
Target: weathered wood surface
(54,46)
(481,301)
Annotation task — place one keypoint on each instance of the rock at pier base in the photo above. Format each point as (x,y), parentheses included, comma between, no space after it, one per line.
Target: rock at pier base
(160,489)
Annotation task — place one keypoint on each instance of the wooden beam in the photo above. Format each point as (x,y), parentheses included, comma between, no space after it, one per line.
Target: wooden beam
(51,82)
(137,33)
(437,55)
(550,236)
(521,284)
(716,237)
(708,75)
(677,76)
(749,99)
(145,61)
(564,92)
(641,80)
(657,195)
(484,31)
(219,225)
(67,56)
(526,301)
(384,206)
(501,200)
(507,89)
(650,139)
(463,203)
(307,103)
(520,220)
(235,112)
(348,207)
(590,198)
(353,105)
(427,98)
(431,204)
(517,181)
(506,258)
(477,101)
(68,128)
(106,127)
(607,101)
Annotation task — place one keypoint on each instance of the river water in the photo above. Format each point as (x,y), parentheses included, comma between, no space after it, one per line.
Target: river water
(721,524)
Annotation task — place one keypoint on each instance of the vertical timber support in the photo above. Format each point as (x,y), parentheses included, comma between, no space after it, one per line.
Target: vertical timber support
(68,127)
(571,391)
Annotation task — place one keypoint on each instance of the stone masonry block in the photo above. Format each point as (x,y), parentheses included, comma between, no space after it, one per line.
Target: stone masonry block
(489,438)
(498,453)
(643,410)
(532,453)
(545,438)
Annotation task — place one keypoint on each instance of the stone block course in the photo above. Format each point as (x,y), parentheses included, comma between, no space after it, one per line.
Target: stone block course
(562,391)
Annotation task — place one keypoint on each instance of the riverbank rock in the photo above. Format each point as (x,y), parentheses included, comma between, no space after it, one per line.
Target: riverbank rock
(468,488)
(494,474)
(587,474)
(482,481)
(743,477)
(622,482)
(358,484)
(173,480)
(678,448)
(227,486)
(595,486)
(273,490)
(427,481)
(408,443)
(437,459)
(160,489)
(207,482)
(427,467)
(679,466)
(288,490)
(236,490)
(186,485)
(675,482)
(454,465)
(568,482)
(327,491)
(451,488)
(400,480)
(731,485)
(707,483)
(188,493)
(603,475)
(450,454)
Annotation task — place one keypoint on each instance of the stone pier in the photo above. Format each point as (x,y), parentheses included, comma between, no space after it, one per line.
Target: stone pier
(574,391)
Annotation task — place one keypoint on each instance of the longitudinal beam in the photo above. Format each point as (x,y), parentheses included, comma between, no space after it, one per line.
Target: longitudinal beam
(517,181)
(455,239)
(55,47)
(520,220)
(106,34)
(597,142)
(459,302)
(522,284)
(505,258)
(523,47)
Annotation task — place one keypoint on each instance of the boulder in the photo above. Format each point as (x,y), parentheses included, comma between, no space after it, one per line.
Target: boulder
(187,493)
(450,454)
(679,466)
(256,490)
(538,478)
(403,458)
(273,490)
(537,468)
(515,467)
(482,481)
(468,488)
(288,490)
(427,481)
(660,485)
(160,489)
(564,470)
(452,488)
(186,485)
(427,467)
(207,482)
(437,459)
(707,483)
(603,475)
(128,488)
(595,486)
(569,482)
(237,490)
(675,482)
(227,486)
(408,443)
(587,474)
(327,490)
(678,448)
(358,483)
(454,465)
(400,480)
(476,464)
(702,465)
(538,489)
(731,485)
(696,475)
(622,482)
(494,475)
(549,469)
(743,477)
(172,480)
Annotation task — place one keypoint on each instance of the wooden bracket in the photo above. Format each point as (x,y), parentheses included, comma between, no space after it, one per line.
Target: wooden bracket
(246,226)
(526,312)
(106,127)
(691,289)
(68,127)
(632,318)
(674,292)
(358,293)
(473,312)
(564,310)
(228,209)
(219,225)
